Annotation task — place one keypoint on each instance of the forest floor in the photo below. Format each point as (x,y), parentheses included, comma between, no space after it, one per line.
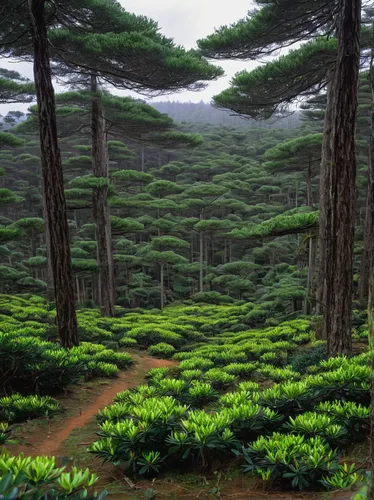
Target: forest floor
(68,435)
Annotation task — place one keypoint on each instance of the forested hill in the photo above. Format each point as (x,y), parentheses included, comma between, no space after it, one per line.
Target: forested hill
(203,112)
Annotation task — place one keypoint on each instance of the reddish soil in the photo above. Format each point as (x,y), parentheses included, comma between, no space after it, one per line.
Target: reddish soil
(82,412)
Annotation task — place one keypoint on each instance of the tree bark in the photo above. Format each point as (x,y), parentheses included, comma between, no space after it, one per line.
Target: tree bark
(309,194)
(311,270)
(201,260)
(363,284)
(100,168)
(162,286)
(49,271)
(342,176)
(369,236)
(142,157)
(324,191)
(53,183)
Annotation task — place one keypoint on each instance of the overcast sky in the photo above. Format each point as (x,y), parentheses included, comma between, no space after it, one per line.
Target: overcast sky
(186,22)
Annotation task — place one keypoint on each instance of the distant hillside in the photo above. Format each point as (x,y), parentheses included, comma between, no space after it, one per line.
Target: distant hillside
(202,112)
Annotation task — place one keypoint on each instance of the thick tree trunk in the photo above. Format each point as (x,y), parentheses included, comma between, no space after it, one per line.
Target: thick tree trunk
(53,183)
(49,271)
(100,168)
(369,236)
(342,176)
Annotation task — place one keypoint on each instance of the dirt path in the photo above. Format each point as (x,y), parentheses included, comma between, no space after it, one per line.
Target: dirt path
(82,404)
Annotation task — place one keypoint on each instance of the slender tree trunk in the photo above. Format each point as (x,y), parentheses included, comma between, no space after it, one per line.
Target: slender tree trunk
(311,270)
(100,205)
(201,260)
(312,244)
(309,195)
(369,236)
(53,183)
(363,284)
(324,190)
(162,286)
(342,176)
(142,157)
(78,291)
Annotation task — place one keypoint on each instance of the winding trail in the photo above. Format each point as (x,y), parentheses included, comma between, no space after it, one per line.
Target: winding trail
(80,413)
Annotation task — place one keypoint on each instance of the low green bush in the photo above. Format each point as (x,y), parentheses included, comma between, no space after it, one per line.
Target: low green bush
(17,408)
(295,461)
(162,350)
(312,424)
(312,356)
(5,432)
(40,478)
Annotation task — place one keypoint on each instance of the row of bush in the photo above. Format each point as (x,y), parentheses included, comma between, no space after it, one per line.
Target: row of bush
(31,365)
(156,425)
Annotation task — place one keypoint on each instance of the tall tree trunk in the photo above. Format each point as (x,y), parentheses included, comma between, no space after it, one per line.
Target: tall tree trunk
(142,157)
(363,284)
(324,190)
(49,271)
(162,286)
(342,176)
(53,183)
(369,236)
(311,270)
(201,261)
(100,168)
(309,194)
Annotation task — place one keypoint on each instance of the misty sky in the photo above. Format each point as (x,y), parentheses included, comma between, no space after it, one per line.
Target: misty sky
(185,22)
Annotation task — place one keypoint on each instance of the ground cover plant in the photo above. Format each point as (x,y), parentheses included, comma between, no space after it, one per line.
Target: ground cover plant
(234,391)
(40,477)
(238,388)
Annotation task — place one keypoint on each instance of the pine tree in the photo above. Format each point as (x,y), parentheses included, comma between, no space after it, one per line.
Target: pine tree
(267,89)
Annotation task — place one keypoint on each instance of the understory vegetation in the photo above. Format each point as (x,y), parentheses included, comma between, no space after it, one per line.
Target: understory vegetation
(267,397)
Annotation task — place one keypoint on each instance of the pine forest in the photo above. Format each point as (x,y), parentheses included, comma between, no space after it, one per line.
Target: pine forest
(186,288)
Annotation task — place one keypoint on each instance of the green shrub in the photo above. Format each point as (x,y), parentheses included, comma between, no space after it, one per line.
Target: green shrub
(191,374)
(313,356)
(354,417)
(162,349)
(196,362)
(291,459)
(5,431)
(218,378)
(157,373)
(212,298)
(102,369)
(201,393)
(317,424)
(39,478)
(239,369)
(17,408)
(127,341)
